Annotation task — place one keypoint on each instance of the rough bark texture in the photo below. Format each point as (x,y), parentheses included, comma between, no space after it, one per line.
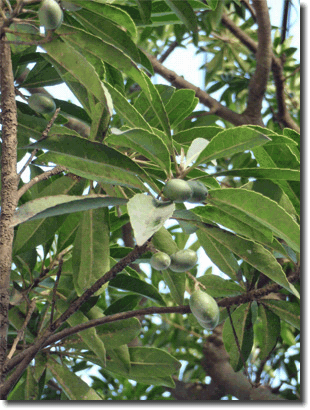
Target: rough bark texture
(8,189)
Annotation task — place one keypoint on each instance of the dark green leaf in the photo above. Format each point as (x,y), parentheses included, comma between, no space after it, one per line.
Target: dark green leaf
(287,311)
(126,282)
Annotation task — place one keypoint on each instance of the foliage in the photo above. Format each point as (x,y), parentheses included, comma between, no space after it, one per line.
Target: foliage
(72,228)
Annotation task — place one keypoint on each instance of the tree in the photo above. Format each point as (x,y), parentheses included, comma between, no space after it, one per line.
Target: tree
(77,235)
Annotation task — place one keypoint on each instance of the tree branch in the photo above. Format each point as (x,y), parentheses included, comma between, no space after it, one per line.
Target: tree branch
(24,358)
(217,366)
(259,80)
(183,309)
(205,99)
(9,183)
(283,115)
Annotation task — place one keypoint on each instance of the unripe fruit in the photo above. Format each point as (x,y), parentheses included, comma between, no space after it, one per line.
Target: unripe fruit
(42,103)
(50,15)
(177,190)
(205,309)
(160,261)
(183,260)
(163,241)
(199,192)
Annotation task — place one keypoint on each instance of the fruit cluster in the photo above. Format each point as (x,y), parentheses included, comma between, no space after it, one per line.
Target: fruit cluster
(180,261)
(178,190)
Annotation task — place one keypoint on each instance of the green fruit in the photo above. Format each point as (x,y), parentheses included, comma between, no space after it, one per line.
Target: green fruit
(183,260)
(199,192)
(205,309)
(70,6)
(42,103)
(177,190)
(160,261)
(163,241)
(50,15)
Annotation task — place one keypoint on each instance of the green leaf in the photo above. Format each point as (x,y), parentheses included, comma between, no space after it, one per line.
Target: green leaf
(231,141)
(73,386)
(287,311)
(157,105)
(218,252)
(117,15)
(109,32)
(144,143)
(126,282)
(185,13)
(269,331)
(178,106)
(176,284)
(187,136)
(210,213)
(257,210)
(127,110)
(82,40)
(219,287)
(147,215)
(90,258)
(242,322)
(149,365)
(124,304)
(91,160)
(48,206)
(120,356)
(253,253)
(184,217)
(34,233)
(145,9)
(74,63)
(265,173)
(118,333)
(90,337)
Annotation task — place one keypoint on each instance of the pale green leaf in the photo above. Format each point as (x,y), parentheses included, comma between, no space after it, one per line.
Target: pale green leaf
(74,387)
(147,215)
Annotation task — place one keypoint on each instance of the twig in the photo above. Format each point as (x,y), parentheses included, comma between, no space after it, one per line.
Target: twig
(205,99)
(55,290)
(57,170)
(238,346)
(20,333)
(169,50)
(43,136)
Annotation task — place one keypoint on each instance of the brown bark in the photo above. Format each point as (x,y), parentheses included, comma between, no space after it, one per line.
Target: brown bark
(259,80)
(217,366)
(9,181)
(283,116)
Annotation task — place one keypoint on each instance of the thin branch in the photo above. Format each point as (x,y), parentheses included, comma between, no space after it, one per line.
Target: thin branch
(277,69)
(184,309)
(42,177)
(27,355)
(259,80)
(205,99)
(20,333)
(284,27)
(55,290)
(169,50)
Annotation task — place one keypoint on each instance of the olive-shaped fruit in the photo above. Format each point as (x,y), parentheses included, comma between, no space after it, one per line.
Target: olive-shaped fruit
(205,309)
(183,260)
(50,15)
(199,191)
(160,261)
(42,103)
(177,190)
(70,6)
